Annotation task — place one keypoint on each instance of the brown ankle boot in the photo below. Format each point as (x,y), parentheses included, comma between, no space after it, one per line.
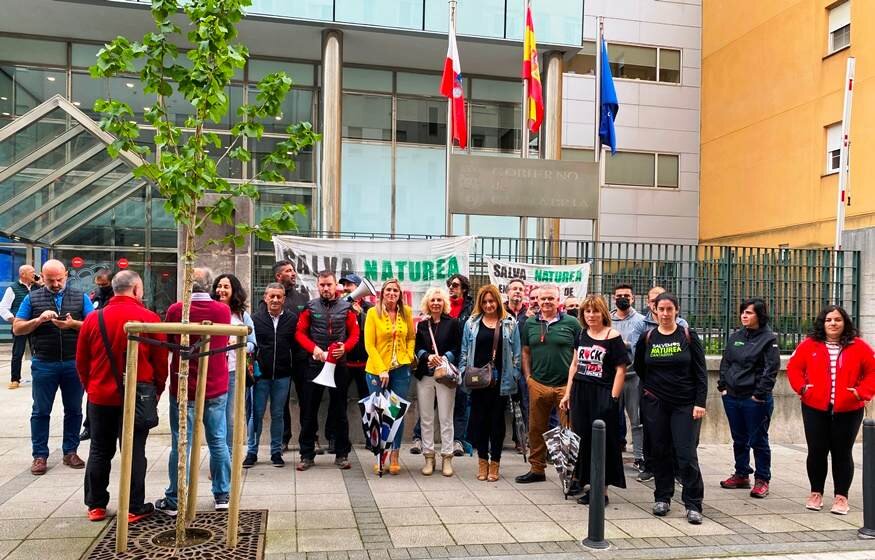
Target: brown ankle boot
(482,469)
(493,471)
(394,467)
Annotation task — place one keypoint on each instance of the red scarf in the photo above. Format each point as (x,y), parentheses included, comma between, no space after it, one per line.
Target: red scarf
(456,305)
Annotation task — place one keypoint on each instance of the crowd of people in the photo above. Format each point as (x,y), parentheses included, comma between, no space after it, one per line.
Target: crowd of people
(567,362)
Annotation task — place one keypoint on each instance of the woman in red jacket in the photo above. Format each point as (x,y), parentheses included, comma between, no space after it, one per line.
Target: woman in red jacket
(833,371)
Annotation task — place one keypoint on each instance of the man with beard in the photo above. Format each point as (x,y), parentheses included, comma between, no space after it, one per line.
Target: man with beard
(52,316)
(327,325)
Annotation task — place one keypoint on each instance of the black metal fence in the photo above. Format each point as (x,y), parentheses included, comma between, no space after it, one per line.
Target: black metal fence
(709,280)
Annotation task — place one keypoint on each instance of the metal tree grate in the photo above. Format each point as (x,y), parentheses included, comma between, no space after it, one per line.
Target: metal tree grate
(142,538)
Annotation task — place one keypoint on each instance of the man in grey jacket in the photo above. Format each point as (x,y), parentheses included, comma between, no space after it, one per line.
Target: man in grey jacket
(630,325)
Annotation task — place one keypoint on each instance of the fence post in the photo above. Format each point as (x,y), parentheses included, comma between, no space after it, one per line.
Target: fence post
(595,537)
(867,531)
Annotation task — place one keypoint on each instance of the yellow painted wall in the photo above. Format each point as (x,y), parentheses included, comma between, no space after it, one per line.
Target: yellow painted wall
(767,95)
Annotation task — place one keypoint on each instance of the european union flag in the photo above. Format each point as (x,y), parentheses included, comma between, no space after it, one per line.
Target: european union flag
(609,104)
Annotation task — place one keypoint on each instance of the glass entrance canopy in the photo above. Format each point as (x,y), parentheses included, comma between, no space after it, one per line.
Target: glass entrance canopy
(56,175)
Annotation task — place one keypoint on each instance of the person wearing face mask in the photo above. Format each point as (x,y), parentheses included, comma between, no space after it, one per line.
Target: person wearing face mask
(572,306)
(100,296)
(630,324)
(327,324)
(833,372)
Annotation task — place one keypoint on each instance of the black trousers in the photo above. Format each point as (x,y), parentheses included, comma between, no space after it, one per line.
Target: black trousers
(486,422)
(106,428)
(19,344)
(356,375)
(831,434)
(672,428)
(310,399)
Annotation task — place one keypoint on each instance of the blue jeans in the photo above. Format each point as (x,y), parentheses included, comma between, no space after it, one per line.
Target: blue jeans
(399,383)
(214,433)
(47,378)
(229,411)
(277,390)
(749,424)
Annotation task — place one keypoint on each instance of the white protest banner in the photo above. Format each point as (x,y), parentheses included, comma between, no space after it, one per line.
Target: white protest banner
(572,279)
(418,263)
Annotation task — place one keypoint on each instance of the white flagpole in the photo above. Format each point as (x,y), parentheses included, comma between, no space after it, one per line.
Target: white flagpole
(524,152)
(843,199)
(449,218)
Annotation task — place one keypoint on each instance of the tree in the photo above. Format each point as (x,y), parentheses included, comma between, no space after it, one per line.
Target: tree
(183,170)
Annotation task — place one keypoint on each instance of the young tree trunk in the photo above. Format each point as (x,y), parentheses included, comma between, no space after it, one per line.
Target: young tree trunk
(182,396)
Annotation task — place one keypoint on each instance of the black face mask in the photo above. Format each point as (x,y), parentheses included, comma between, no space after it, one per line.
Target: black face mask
(573,312)
(623,303)
(105,291)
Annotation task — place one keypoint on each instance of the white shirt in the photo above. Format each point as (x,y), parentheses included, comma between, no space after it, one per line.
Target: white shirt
(6,305)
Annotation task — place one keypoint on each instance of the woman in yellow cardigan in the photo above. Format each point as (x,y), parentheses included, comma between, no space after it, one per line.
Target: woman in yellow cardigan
(389,341)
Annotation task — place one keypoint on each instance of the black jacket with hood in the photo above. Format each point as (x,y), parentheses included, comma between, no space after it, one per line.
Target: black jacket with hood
(750,363)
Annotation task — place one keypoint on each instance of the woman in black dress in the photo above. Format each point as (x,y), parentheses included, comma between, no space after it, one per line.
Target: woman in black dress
(595,383)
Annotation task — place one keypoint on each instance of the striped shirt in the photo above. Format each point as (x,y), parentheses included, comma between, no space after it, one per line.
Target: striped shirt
(833,348)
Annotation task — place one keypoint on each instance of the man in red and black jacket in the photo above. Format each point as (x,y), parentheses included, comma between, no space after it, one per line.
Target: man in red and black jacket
(105,394)
(327,324)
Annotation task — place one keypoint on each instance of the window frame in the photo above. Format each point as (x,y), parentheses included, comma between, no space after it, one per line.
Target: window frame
(832,150)
(659,67)
(833,29)
(655,184)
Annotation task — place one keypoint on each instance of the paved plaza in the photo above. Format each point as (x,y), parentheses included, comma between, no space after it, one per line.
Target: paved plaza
(330,514)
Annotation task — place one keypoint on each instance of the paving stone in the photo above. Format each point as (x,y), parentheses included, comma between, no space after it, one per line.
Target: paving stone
(514,549)
(457,551)
(316,540)
(476,550)
(495,549)
(378,554)
(395,517)
(771,523)
(72,549)
(317,556)
(419,536)
(550,546)
(532,548)
(330,519)
(438,552)
(418,552)
(483,533)
(536,531)
(338,555)
(398,553)
(281,542)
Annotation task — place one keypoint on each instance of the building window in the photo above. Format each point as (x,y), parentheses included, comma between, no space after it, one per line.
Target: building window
(632,62)
(642,169)
(839,26)
(833,147)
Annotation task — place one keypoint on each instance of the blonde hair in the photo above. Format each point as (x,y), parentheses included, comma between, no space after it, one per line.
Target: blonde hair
(381,308)
(595,303)
(491,289)
(429,294)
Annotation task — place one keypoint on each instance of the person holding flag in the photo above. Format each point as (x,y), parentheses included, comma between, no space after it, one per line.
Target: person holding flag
(453,90)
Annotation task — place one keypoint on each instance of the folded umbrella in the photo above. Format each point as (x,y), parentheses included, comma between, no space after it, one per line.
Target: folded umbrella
(522,429)
(563,446)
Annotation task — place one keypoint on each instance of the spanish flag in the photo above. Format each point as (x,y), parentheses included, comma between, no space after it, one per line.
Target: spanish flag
(532,73)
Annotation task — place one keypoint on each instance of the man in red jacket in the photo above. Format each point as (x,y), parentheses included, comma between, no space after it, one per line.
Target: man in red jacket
(203,308)
(104,391)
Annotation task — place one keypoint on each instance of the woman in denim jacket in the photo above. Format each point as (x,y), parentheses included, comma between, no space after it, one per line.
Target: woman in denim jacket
(488,404)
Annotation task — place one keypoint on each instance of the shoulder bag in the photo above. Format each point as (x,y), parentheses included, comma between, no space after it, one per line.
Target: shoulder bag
(146,406)
(482,377)
(446,373)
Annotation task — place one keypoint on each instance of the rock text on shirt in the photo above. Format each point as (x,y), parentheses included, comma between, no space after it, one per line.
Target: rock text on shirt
(590,360)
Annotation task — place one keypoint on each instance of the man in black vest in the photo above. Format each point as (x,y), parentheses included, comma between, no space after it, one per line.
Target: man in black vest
(9,306)
(327,324)
(52,316)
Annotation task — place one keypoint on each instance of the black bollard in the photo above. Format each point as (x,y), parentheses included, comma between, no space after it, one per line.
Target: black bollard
(867,531)
(595,537)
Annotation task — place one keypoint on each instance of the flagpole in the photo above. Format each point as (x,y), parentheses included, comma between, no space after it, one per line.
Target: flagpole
(597,143)
(524,149)
(448,216)
(844,170)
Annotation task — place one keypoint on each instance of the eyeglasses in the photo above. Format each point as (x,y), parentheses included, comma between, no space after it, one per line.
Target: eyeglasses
(455,285)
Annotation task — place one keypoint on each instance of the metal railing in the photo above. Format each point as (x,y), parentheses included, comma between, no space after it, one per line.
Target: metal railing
(709,280)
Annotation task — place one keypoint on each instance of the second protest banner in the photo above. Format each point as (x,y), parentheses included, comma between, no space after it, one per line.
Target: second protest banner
(572,279)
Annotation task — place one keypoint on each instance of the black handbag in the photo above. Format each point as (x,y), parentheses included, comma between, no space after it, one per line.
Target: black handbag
(146,404)
(482,377)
